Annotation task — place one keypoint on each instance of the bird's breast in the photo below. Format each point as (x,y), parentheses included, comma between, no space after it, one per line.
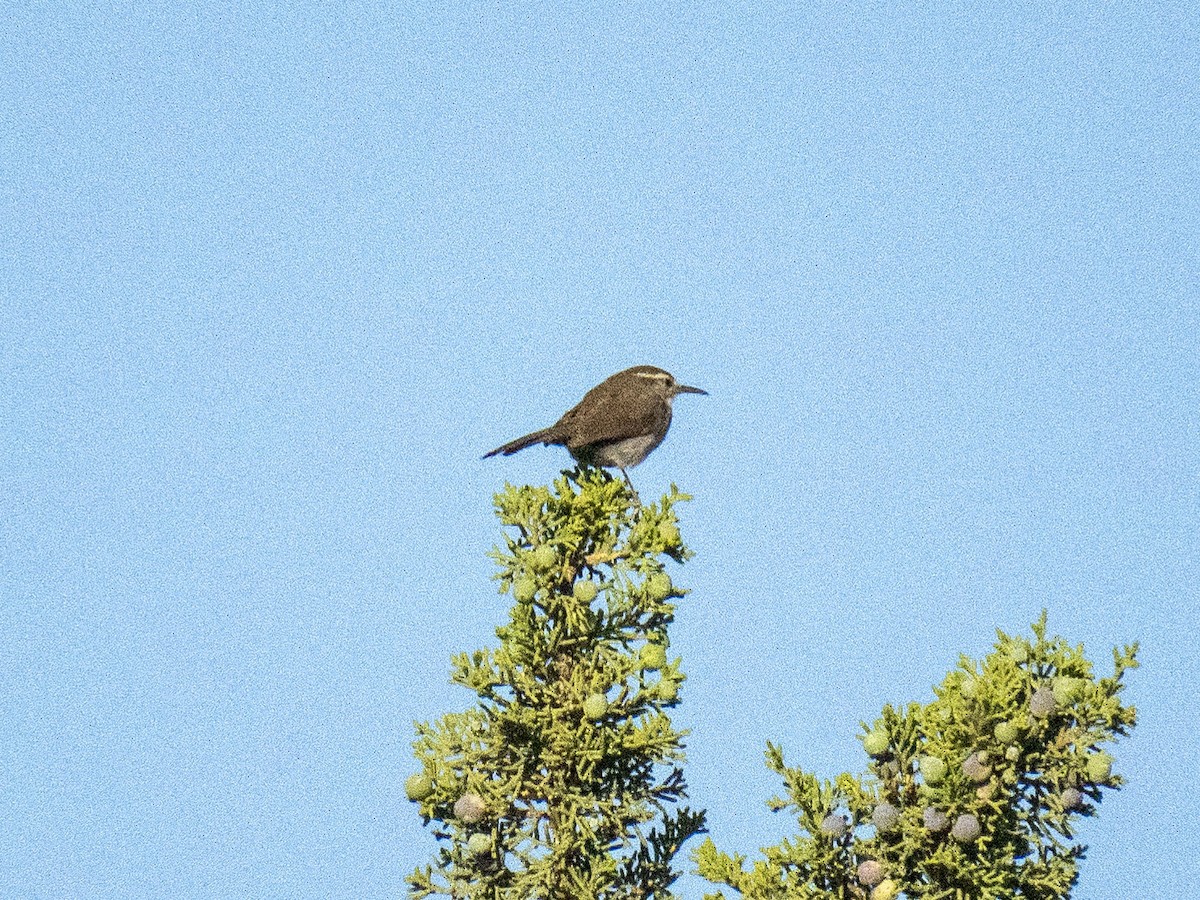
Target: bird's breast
(626,452)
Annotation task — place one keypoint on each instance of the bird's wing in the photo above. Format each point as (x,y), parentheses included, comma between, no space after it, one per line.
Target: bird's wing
(611,417)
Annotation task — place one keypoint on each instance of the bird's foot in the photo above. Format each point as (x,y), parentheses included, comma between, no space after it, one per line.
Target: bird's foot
(637,501)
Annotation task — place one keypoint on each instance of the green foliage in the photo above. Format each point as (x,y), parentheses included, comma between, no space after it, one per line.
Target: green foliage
(562,781)
(976,794)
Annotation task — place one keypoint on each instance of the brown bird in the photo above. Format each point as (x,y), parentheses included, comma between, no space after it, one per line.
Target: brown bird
(616,424)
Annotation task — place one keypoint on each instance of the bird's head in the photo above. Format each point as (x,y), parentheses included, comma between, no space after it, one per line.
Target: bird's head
(661,381)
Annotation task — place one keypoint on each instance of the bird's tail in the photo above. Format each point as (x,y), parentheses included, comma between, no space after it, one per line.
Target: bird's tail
(545,436)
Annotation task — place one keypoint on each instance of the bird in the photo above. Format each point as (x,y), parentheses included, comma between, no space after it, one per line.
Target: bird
(616,424)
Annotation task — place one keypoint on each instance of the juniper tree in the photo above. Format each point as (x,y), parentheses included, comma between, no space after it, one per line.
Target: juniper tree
(974,795)
(562,781)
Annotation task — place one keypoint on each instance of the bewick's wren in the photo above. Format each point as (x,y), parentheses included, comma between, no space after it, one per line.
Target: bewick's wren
(617,423)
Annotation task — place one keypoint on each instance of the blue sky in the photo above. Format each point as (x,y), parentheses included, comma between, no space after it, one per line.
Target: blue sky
(276,275)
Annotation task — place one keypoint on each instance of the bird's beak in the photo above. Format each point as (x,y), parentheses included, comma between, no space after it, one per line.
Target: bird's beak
(684,389)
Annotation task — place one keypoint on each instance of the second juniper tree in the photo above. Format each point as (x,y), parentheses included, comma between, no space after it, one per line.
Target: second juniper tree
(976,795)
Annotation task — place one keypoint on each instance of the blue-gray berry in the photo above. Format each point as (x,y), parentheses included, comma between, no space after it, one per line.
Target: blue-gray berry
(833,825)
(469,807)
(1042,703)
(935,820)
(975,767)
(870,872)
(966,828)
(885,817)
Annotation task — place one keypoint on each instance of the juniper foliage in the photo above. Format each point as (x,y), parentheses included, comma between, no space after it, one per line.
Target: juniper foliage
(977,794)
(563,780)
